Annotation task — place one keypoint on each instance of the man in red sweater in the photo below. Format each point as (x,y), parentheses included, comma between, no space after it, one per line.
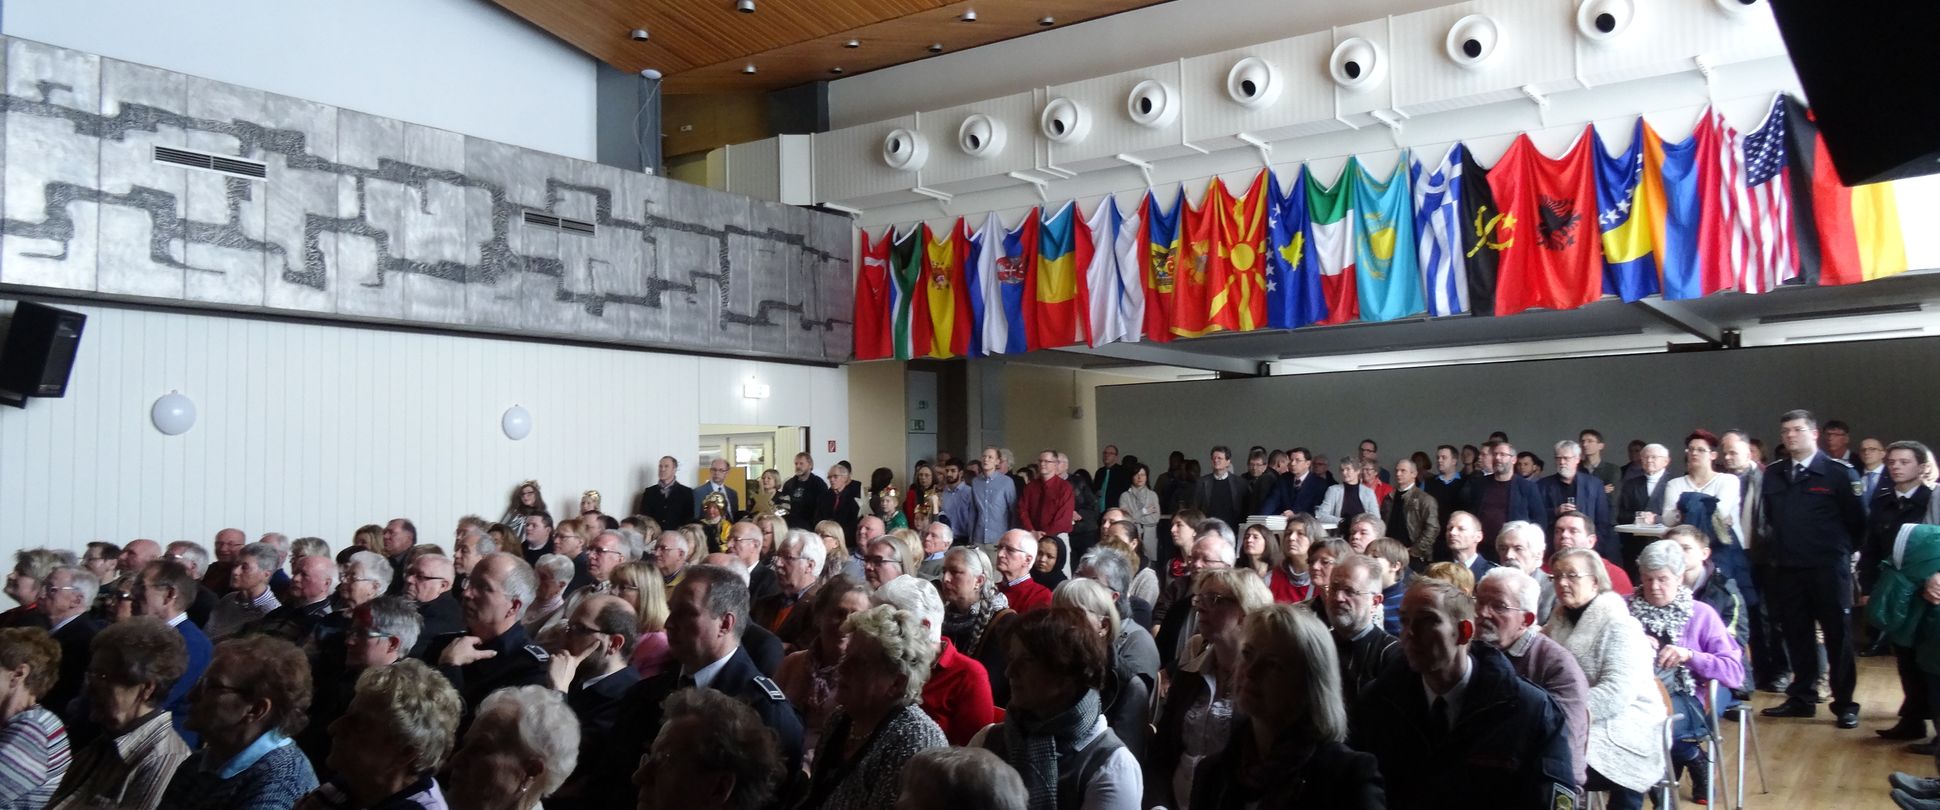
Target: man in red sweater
(1046,507)
(1016,552)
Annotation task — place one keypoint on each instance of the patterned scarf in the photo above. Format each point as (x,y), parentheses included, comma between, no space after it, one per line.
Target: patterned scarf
(1666,624)
(965,628)
(1034,746)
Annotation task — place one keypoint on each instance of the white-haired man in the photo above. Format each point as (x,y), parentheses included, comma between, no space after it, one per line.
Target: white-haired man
(1523,547)
(798,560)
(1505,617)
(494,651)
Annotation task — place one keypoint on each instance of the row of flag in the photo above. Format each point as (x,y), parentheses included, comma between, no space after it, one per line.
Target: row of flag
(1719,211)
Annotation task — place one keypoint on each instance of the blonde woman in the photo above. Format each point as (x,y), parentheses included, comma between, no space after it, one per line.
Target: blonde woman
(839,560)
(639,583)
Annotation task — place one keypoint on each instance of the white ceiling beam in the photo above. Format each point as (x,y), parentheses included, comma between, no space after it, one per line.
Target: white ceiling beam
(1161,355)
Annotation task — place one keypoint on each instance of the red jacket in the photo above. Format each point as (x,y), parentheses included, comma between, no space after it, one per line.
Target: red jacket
(957,695)
(1027,595)
(1046,506)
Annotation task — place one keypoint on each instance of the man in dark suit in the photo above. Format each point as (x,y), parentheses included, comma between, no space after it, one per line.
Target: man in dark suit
(1445,483)
(1112,478)
(668,501)
(1900,499)
(1502,497)
(841,502)
(428,582)
(1641,493)
(1570,489)
(706,615)
(1300,490)
(717,474)
(1813,523)
(1222,493)
(67,594)
(493,652)
(591,668)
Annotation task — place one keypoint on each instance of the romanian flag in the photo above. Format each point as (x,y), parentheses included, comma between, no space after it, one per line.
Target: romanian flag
(1236,271)
(1438,233)
(1293,297)
(1555,260)
(873,294)
(1385,270)
(1330,242)
(1674,194)
(1844,235)
(1159,265)
(1486,231)
(1051,305)
(945,291)
(909,311)
(1626,218)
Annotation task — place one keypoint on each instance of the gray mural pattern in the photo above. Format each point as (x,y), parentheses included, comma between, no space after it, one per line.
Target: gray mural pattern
(375,219)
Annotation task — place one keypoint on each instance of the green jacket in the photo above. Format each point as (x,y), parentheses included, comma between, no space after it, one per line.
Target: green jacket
(1897,606)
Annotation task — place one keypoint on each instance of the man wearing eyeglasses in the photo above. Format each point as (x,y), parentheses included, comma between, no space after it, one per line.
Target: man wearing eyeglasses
(591,669)
(378,633)
(1353,613)
(717,475)
(670,553)
(1016,551)
(311,582)
(201,601)
(1575,531)
(1505,618)
(162,591)
(744,542)
(65,597)
(428,582)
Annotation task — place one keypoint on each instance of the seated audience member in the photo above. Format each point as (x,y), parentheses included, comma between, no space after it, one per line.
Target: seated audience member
(1456,727)
(1506,620)
(65,600)
(1362,530)
(956,694)
(1465,543)
(762,646)
(1499,495)
(1176,557)
(1145,579)
(1215,549)
(400,536)
(114,601)
(381,632)
(466,551)
(135,663)
(707,614)
(494,651)
(1321,559)
(1395,578)
(1573,490)
(937,539)
(1701,475)
(1349,499)
(671,552)
(1133,648)
(1573,531)
(789,613)
(427,581)
(24,585)
(1290,749)
(835,547)
(102,559)
(249,597)
(1258,549)
(878,723)
(1125,698)
(1454,574)
(387,746)
(745,543)
(608,551)
(807,675)
(962,779)
(215,575)
(1413,515)
(590,668)
(312,579)
(33,741)
(160,593)
(712,753)
(1048,567)
(1196,715)
(1713,588)
(521,745)
(1521,546)
(1624,751)
(555,573)
(370,537)
(1362,648)
(1693,649)
(1053,733)
(639,584)
(887,558)
(1016,553)
(1289,580)
(977,619)
(253,699)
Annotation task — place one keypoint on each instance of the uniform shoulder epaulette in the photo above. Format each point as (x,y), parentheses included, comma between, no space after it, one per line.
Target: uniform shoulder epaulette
(767,685)
(538,652)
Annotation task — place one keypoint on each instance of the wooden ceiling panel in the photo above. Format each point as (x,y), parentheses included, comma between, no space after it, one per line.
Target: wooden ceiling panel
(703,46)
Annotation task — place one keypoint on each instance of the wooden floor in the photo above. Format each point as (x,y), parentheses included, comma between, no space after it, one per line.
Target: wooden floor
(1813,764)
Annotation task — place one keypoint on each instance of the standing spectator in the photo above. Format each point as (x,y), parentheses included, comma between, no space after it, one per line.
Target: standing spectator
(1505,618)
(1902,499)
(1349,499)
(842,503)
(1141,505)
(1813,524)
(1569,490)
(1504,496)
(1625,748)
(717,475)
(1413,517)
(1445,486)
(1838,443)
(957,503)
(1221,494)
(1300,490)
(1701,476)
(249,596)
(33,741)
(668,501)
(136,663)
(1644,492)
(1113,478)
(253,699)
(798,495)
(1047,504)
(527,501)
(1607,472)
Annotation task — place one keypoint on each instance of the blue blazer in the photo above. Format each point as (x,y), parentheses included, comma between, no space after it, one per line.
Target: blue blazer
(200,651)
(1285,497)
(1587,489)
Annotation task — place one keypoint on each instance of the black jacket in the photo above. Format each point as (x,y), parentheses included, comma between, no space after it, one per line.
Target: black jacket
(442,616)
(843,507)
(1363,659)
(519,662)
(1883,524)
(1286,496)
(1632,497)
(1590,501)
(1292,775)
(1507,748)
(639,717)
(800,497)
(76,639)
(1813,522)
(672,510)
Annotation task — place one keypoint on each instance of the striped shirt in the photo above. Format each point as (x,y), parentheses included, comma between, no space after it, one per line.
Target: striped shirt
(236,609)
(33,758)
(129,771)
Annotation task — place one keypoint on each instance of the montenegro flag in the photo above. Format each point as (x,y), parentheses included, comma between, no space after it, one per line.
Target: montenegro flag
(1236,269)
(1844,234)
(946,292)
(1051,311)
(872,301)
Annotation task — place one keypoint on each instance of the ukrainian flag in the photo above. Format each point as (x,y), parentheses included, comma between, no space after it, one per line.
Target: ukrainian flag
(1625,217)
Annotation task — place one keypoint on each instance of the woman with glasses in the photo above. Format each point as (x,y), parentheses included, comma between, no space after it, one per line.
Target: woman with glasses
(102,559)
(1196,716)
(379,633)
(1054,732)
(808,675)
(976,618)
(253,698)
(638,583)
(133,666)
(30,570)
(526,500)
(1625,750)
(1701,476)
(1693,649)
(837,559)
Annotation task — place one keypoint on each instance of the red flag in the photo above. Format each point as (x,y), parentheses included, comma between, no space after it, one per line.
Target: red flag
(947,294)
(1236,270)
(1715,270)
(1160,255)
(872,339)
(1553,256)
(1191,298)
(1051,290)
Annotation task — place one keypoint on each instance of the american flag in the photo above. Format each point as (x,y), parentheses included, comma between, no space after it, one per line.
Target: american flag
(1754,199)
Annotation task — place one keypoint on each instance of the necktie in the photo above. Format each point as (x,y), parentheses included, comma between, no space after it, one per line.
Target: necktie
(1438,718)
(686,682)
(1798,473)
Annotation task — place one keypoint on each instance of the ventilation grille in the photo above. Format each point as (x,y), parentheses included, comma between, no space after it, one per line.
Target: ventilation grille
(208,162)
(578,227)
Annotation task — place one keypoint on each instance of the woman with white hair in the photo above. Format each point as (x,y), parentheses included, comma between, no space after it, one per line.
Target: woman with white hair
(1625,748)
(555,572)
(522,744)
(976,618)
(878,725)
(1693,650)
(957,694)
(385,748)
(1125,697)
(1291,751)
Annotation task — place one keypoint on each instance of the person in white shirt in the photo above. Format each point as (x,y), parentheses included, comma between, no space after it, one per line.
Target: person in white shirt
(1872,471)
(1701,475)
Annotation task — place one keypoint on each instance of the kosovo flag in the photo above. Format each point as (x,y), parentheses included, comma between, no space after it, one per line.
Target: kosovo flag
(1051,308)
(1160,265)
(946,295)
(1293,297)
(1679,209)
(1384,245)
(1624,217)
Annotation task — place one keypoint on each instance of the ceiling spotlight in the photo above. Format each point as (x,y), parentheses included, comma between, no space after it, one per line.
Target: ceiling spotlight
(744,6)
(1047,21)
(749,69)
(936,47)
(969,15)
(639,35)
(650,73)
(836,70)
(854,43)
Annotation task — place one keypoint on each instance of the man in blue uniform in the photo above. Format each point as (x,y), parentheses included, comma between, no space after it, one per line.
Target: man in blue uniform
(493,652)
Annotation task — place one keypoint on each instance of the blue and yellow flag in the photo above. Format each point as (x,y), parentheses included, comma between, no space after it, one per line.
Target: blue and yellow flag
(1624,217)
(1388,277)
(1051,296)
(1293,296)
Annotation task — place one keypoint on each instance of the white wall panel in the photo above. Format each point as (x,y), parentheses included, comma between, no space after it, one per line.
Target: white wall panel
(1305,105)
(1666,34)
(315,430)
(1378,93)
(949,169)
(848,162)
(1535,48)
(1112,132)
(754,169)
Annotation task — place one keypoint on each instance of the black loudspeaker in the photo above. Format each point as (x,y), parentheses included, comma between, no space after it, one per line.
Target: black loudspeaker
(39,352)
(1871,78)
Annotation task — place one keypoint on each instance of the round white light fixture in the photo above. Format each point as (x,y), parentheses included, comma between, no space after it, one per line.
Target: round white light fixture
(638,34)
(1357,64)
(905,150)
(981,136)
(744,6)
(1253,82)
(1603,20)
(517,423)
(749,69)
(1064,121)
(1472,40)
(936,47)
(969,15)
(1047,21)
(172,414)
(1152,103)
(854,43)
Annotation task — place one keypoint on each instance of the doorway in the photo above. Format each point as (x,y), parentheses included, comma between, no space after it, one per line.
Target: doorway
(749,450)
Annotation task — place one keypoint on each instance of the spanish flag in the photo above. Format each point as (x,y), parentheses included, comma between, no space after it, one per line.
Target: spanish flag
(1236,270)
(1844,235)
(945,291)
(1051,311)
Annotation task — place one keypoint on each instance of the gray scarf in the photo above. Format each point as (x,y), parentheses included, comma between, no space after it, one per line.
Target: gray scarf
(1034,746)
(1666,624)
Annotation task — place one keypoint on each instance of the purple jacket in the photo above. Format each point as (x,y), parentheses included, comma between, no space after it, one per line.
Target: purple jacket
(1715,655)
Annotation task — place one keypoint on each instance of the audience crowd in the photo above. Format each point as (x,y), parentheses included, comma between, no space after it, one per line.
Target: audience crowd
(1449,629)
